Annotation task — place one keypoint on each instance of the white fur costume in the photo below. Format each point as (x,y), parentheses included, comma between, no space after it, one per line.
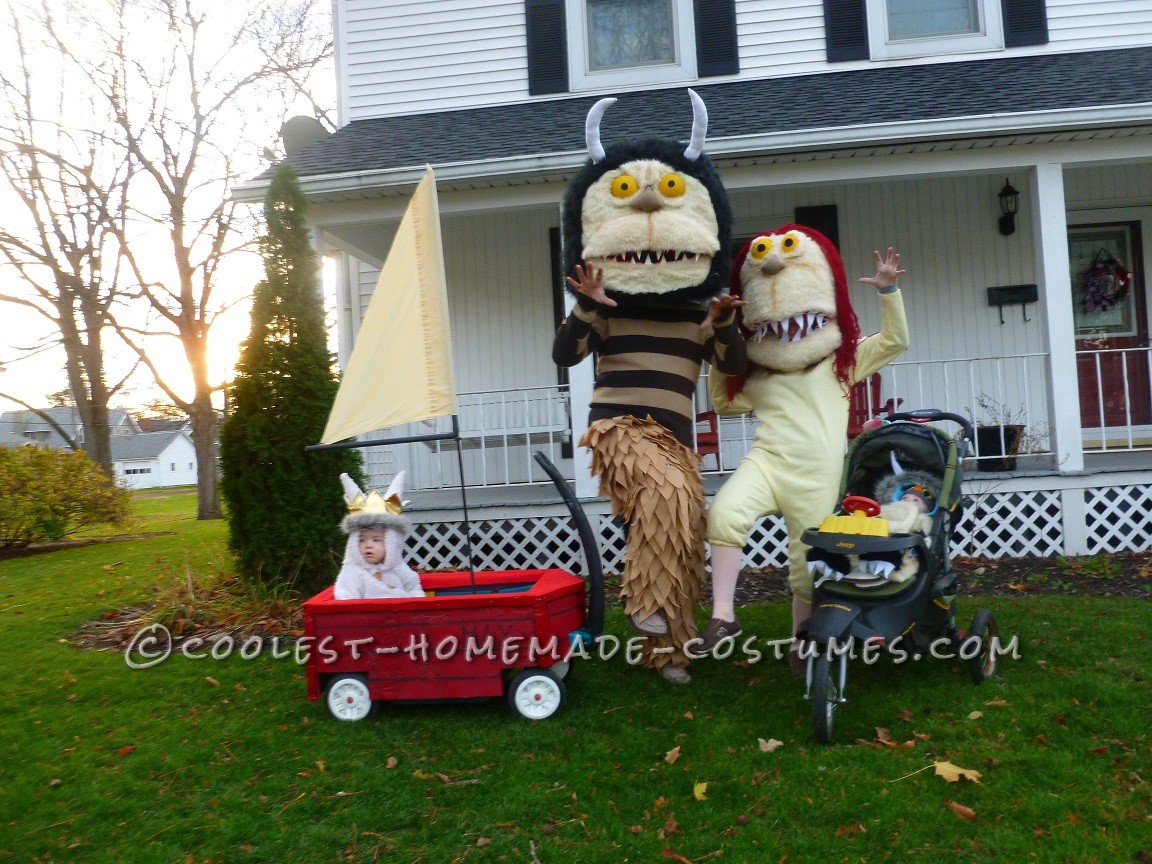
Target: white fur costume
(391,577)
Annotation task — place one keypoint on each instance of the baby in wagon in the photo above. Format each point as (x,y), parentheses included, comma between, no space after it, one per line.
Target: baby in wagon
(373,565)
(908,499)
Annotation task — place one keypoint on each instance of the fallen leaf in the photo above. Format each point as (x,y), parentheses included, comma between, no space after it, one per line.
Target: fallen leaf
(672,755)
(392,762)
(674,856)
(698,790)
(320,765)
(848,830)
(211,680)
(997,703)
(960,810)
(904,714)
(420,775)
(883,735)
(770,746)
(124,751)
(482,841)
(975,715)
(952,773)
(688,715)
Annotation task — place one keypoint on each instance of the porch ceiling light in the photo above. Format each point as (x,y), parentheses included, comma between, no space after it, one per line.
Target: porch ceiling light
(1009,205)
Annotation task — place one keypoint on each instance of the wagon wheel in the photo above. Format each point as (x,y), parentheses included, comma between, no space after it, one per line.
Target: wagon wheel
(825,693)
(348,698)
(982,663)
(536,694)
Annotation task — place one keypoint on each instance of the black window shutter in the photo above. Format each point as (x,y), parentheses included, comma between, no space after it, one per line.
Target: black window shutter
(845,30)
(717,51)
(547,47)
(1025,23)
(823,218)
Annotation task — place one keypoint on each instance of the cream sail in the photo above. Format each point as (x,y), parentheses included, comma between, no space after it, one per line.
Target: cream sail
(400,370)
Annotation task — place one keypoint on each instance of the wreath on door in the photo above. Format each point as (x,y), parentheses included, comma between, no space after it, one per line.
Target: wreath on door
(1105,282)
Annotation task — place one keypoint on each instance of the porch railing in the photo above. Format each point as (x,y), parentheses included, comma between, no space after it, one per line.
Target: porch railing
(1005,397)
(499,432)
(1115,398)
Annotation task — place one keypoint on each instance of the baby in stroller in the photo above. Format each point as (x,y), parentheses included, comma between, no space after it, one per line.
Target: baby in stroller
(908,500)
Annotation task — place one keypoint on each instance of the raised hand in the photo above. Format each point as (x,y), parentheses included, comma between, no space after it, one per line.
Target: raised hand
(590,283)
(719,307)
(887,270)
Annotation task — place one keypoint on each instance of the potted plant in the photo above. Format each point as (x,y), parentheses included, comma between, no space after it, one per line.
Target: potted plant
(999,434)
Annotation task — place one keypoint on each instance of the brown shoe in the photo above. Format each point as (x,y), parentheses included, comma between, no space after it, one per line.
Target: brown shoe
(717,630)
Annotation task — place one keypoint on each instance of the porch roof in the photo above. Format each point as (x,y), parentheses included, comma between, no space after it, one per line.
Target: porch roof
(897,103)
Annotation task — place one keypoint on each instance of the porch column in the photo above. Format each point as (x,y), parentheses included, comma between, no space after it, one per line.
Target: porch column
(1051,251)
(580,380)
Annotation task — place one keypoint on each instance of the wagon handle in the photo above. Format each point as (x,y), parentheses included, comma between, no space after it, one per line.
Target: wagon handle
(595,623)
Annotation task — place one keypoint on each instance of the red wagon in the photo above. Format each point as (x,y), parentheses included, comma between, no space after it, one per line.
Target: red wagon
(475,635)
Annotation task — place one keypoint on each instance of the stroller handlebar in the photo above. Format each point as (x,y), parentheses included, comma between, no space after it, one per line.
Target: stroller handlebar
(934,415)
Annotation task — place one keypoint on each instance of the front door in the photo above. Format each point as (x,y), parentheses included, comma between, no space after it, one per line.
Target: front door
(1111,320)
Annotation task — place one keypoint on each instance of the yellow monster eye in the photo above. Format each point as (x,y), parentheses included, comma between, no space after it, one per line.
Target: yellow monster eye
(789,243)
(625,186)
(672,186)
(760,247)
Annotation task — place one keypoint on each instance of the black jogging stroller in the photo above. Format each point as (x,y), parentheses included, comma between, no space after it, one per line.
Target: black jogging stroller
(907,609)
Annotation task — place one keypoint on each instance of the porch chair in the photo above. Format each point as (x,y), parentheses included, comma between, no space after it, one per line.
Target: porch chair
(864,404)
(708,440)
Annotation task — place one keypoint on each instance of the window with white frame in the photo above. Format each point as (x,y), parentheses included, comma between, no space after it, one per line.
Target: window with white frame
(914,28)
(615,43)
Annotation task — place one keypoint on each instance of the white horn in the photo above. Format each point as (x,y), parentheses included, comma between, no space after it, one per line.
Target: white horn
(592,128)
(351,490)
(896,469)
(699,128)
(396,487)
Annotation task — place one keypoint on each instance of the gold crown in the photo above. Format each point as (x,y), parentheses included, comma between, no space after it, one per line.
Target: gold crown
(375,504)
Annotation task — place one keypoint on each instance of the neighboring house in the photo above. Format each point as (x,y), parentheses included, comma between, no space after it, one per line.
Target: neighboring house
(878,121)
(33,427)
(152,460)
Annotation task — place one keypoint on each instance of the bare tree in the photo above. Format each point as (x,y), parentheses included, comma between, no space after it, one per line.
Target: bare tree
(68,181)
(191,91)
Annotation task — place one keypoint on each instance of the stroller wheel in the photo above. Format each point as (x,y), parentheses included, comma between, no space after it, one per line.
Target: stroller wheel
(825,694)
(979,648)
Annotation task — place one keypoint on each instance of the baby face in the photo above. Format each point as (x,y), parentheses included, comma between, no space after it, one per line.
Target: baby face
(372,545)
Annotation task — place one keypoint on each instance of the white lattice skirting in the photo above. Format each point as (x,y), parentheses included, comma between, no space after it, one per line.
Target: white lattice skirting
(994,525)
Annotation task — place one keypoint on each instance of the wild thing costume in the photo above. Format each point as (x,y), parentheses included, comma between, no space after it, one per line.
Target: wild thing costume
(358,579)
(653,216)
(804,352)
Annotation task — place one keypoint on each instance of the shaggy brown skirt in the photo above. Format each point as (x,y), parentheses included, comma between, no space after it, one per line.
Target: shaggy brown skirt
(653,482)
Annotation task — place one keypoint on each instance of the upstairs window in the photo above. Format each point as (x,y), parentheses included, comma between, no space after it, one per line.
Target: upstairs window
(888,29)
(617,43)
(914,28)
(576,45)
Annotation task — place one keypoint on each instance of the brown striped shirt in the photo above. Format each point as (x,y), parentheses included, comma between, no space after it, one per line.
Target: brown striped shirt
(649,358)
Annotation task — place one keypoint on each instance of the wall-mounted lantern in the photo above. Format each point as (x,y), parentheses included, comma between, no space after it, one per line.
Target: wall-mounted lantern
(1009,205)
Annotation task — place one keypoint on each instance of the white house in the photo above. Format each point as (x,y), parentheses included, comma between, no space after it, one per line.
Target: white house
(878,121)
(152,460)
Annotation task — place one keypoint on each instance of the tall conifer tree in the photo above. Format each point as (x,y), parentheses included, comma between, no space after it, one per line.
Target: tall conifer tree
(284,504)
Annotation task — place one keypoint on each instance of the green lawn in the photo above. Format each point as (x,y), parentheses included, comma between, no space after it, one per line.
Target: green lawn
(227,761)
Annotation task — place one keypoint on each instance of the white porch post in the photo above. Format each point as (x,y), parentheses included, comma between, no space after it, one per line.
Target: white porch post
(1051,244)
(580,380)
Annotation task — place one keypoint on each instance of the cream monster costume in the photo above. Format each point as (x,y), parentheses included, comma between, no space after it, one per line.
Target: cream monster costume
(804,354)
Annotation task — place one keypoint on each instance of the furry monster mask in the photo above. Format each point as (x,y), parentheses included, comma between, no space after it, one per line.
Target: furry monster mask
(652,214)
(798,308)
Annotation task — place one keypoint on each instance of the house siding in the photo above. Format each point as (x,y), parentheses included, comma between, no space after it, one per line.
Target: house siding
(397,58)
